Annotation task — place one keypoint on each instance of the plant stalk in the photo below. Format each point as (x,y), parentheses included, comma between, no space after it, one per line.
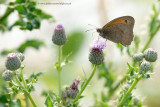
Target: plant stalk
(59,83)
(112,90)
(151,37)
(8,12)
(59,69)
(26,100)
(24,89)
(30,98)
(83,88)
(24,82)
(136,80)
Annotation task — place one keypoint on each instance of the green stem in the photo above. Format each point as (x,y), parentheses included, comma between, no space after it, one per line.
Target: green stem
(8,12)
(25,85)
(59,83)
(16,78)
(59,69)
(112,90)
(151,37)
(24,82)
(30,98)
(136,80)
(59,56)
(26,100)
(25,90)
(79,94)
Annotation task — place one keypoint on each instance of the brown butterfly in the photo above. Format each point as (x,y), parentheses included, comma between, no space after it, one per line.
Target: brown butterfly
(119,30)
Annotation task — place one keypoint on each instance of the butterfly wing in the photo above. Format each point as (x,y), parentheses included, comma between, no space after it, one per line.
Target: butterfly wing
(120,30)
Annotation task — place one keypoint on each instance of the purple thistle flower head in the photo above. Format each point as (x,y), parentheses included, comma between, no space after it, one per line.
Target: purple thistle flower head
(75,84)
(72,91)
(12,54)
(99,44)
(96,55)
(59,27)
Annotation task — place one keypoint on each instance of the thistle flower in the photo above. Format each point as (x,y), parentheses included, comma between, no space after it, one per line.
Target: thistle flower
(13,62)
(7,75)
(72,91)
(99,44)
(150,55)
(75,84)
(59,36)
(138,57)
(96,55)
(145,66)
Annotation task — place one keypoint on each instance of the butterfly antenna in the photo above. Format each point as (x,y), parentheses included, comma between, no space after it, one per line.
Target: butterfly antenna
(89,30)
(93,25)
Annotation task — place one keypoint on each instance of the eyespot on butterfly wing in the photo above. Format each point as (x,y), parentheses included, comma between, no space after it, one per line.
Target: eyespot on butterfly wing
(119,30)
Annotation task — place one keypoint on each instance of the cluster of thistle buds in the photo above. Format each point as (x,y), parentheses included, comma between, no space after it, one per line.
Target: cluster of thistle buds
(150,55)
(13,62)
(71,92)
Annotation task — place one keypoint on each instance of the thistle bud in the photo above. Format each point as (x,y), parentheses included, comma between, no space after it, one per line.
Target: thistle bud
(7,75)
(96,56)
(21,56)
(150,55)
(72,91)
(135,101)
(138,57)
(13,62)
(59,36)
(126,86)
(145,66)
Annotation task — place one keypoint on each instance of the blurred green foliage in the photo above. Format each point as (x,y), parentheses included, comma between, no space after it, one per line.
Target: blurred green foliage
(52,100)
(7,99)
(29,16)
(104,73)
(2,1)
(74,43)
(155,22)
(10,93)
(33,78)
(49,102)
(28,43)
